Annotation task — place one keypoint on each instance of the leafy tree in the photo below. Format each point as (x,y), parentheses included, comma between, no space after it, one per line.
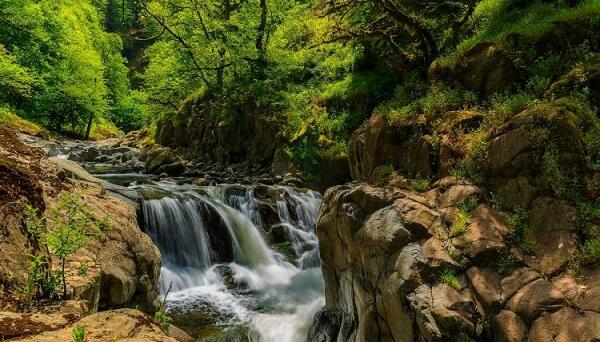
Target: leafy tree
(71,224)
(408,29)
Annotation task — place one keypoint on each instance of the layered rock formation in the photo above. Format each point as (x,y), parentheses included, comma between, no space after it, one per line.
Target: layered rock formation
(509,259)
(206,131)
(395,271)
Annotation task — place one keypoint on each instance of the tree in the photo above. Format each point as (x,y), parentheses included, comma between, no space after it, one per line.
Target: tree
(409,29)
(71,222)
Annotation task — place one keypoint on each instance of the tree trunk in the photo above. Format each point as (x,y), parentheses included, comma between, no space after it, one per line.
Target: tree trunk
(64,279)
(89,126)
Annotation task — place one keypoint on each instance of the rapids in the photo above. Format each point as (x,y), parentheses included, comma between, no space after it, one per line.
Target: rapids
(219,272)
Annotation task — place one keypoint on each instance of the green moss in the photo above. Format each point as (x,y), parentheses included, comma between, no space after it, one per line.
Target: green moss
(18,123)
(460,223)
(287,250)
(462,218)
(497,20)
(436,101)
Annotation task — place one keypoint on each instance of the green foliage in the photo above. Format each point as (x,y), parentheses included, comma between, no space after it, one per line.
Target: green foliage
(435,102)
(60,66)
(79,333)
(460,223)
(498,20)
(450,278)
(468,205)
(71,223)
(505,106)
(35,278)
(590,251)
(16,82)
(83,269)
(163,319)
(552,170)
(521,234)
(507,262)
(462,218)
(420,184)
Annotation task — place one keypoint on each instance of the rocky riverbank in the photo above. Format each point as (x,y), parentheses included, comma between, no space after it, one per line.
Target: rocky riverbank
(121,264)
(462,228)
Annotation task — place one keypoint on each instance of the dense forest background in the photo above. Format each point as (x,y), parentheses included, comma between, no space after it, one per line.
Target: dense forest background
(315,69)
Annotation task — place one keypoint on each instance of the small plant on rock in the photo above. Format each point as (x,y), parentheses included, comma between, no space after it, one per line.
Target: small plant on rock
(507,262)
(590,251)
(420,184)
(450,278)
(79,333)
(520,234)
(462,218)
(83,269)
(161,317)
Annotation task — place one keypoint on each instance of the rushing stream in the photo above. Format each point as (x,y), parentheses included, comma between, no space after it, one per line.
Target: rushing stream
(239,262)
(219,272)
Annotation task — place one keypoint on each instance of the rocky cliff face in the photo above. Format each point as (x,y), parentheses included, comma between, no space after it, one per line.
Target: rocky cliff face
(397,269)
(123,264)
(205,131)
(512,258)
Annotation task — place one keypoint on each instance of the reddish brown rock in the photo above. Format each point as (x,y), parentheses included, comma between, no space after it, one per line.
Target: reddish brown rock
(485,284)
(508,327)
(516,280)
(554,225)
(566,325)
(533,299)
(486,67)
(484,238)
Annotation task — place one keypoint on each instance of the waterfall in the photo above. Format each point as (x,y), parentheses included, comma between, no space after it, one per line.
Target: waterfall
(216,257)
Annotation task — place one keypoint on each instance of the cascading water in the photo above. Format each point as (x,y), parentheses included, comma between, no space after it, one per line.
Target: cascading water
(219,266)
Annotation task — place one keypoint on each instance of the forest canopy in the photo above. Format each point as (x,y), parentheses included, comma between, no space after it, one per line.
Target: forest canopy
(316,67)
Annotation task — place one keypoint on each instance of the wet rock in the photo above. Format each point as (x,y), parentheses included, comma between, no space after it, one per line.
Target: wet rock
(201,182)
(278,233)
(157,156)
(326,326)
(173,169)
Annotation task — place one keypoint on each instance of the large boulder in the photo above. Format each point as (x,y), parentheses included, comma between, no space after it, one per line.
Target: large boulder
(370,144)
(162,159)
(381,249)
(392,271)
(486,67)
(117,325)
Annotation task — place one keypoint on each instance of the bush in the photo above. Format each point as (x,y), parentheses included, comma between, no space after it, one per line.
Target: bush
(419,184)
(521,234)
